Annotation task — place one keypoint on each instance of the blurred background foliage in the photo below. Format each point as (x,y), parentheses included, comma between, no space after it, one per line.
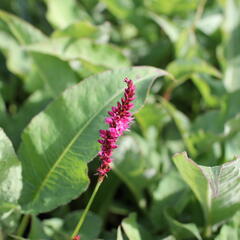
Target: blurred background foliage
(49,45)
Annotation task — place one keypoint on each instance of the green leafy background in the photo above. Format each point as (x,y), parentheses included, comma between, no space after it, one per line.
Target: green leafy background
(176,174)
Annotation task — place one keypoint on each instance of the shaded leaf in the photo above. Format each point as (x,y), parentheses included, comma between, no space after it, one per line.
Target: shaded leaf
(171,192)
(183,230)
(88,232)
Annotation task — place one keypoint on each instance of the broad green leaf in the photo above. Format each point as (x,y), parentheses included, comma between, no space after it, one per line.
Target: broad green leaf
(53,228)
(10,177)
(22,31)
(14,125)
(78,29)
(60,15)
(232,147)
(10,184)
(15,33)
(9,217)
(205,90)
(231,39)
(171,192)
(210,23)
(131,227)
(134,230)
(231,230)
(183,230)
(85,50)
(152,115)
(119,8)
(119,234)
(54,82)
(172,7)
(36,231)
(228,233)
(131,172)
(183,68)
(16,59)
(216,188)
(169,238)
(182,123)
(63,138)
(186,46)
(168,27)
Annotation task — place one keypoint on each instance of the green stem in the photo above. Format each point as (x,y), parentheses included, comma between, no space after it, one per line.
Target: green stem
(208,231)
(83,216)
(199,13)
(23,225)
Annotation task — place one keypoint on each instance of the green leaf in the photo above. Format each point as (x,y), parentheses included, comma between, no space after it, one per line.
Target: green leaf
(210,23)
(85,50)
(52,227)
(183,68)
(14,125)
(205,89)
(182,123)
(173,7)
(168,27)
(216,188)
(171,192)
(152,115)
(10,172)
(131,227)
(15,33)
(9,217)
(78,29)
(183,230)
(36,231)
(10,184)
(231,40)
(88,232)
(65,13)
(119,234)
(120,8)
(231,230)
(133,230)
(131,172)
(22,31)
(62,139)
(54,82)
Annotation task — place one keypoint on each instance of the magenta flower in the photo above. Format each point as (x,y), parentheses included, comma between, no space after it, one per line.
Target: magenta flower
(76,237)
(119,121)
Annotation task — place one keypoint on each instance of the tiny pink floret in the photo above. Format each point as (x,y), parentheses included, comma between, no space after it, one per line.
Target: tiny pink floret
(118,121)
(76,237)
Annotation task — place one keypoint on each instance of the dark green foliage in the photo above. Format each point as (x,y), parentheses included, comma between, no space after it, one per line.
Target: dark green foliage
(62,65)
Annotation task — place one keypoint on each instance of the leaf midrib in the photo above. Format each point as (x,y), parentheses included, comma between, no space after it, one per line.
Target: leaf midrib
(73,141)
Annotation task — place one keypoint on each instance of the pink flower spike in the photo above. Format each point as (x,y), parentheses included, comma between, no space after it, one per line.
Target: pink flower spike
(76,237)
(119,121)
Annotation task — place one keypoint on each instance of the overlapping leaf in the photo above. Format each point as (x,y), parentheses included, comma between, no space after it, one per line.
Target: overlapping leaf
(216,188)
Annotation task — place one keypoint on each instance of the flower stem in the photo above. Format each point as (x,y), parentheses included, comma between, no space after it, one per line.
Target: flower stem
(83,216)
(23,225)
